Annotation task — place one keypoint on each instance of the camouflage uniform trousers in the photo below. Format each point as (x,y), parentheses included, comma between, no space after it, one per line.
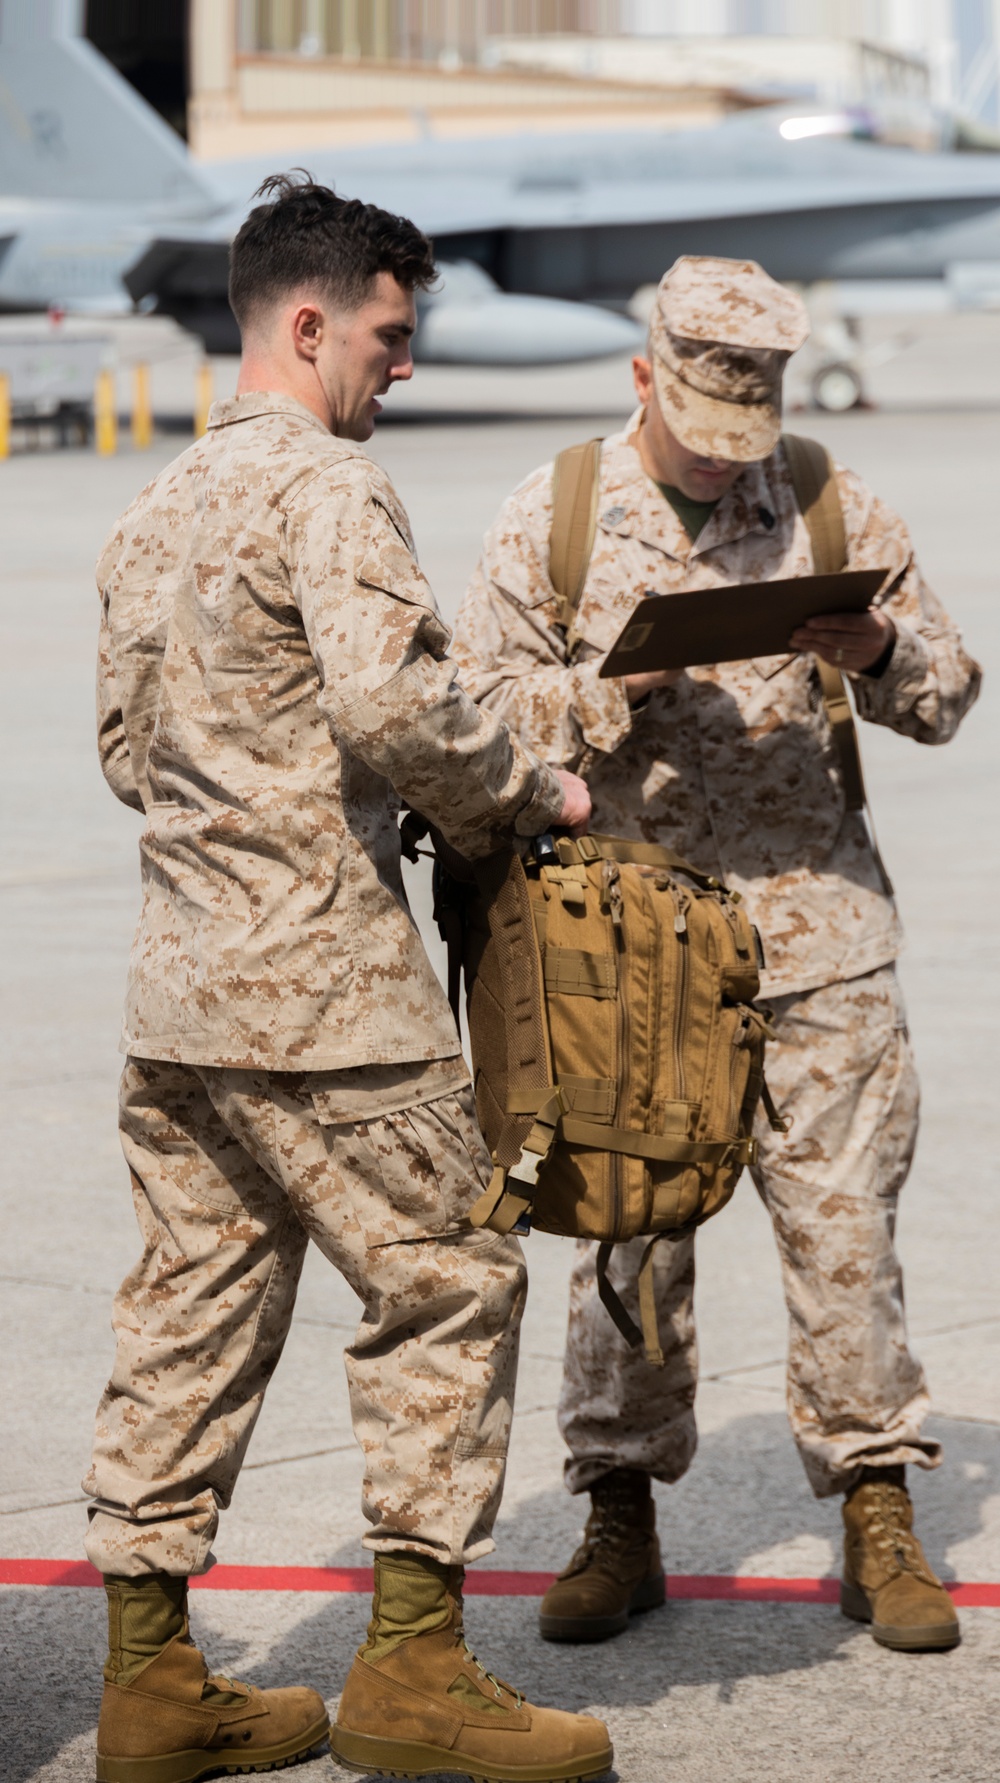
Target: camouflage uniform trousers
(233,1171)
(843,1070)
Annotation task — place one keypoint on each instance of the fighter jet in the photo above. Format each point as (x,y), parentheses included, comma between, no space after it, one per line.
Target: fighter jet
(534,232)
(102,209)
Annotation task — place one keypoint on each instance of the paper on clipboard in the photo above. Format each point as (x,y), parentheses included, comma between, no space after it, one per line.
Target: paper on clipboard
(706,625)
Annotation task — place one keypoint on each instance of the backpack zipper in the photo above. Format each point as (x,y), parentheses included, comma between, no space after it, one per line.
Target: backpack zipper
(681,992)
(615,1162)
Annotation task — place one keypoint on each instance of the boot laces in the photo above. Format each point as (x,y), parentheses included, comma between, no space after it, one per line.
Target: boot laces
(608,1526)
(498,1684)
(233,1686)
(886,1529)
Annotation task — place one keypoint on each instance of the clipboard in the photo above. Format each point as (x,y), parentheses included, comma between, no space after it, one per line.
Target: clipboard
(681,631)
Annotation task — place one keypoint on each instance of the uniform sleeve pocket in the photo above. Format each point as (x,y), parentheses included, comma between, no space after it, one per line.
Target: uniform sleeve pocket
(387,563)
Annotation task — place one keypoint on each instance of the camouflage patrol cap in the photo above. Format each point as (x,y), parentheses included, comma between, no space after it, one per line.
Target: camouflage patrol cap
(721,333)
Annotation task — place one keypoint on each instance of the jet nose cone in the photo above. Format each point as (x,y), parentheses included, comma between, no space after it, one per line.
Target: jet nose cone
(514,330)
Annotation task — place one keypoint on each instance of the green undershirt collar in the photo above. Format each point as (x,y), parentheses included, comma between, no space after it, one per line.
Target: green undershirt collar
(692,515)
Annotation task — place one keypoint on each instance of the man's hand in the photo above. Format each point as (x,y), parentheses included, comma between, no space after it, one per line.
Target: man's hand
(638,686)
(575,814)
(850,641)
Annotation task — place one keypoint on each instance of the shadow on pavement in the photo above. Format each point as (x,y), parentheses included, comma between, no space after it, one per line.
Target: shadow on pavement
(745,1494)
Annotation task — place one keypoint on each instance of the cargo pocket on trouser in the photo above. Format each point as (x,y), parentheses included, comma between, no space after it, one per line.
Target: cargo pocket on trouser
(413,1174)
(431,1370)
(897,1132)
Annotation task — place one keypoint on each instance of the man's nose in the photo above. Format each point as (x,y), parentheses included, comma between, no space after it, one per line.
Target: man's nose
(403,367)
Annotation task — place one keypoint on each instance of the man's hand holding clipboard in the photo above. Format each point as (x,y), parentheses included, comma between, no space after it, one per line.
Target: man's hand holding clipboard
(831,616)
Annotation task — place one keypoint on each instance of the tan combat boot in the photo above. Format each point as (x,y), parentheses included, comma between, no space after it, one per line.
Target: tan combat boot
(417,1699)
(887,1580)
(165,1720)
(617,1570)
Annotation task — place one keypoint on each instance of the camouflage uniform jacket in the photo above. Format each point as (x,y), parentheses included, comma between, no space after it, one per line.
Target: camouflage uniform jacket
(273,679)
(733,766)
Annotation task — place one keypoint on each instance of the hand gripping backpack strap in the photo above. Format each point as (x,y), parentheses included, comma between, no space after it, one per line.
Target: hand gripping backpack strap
(575,481)
(818,499)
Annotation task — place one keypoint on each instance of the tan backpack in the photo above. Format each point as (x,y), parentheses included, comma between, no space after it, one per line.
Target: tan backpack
(617,1050)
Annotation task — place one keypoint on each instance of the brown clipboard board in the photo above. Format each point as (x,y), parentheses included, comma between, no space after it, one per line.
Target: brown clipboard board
(682,631)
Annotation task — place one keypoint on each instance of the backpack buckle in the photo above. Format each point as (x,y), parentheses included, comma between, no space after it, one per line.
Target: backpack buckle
(526,1169)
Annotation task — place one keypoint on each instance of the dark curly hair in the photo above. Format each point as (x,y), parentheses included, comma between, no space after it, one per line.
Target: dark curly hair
(305,235)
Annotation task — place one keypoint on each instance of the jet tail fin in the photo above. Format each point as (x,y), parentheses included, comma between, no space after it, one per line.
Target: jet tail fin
(71,127)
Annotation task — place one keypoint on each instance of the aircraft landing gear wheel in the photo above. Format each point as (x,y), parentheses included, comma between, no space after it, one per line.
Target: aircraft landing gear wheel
(836,389)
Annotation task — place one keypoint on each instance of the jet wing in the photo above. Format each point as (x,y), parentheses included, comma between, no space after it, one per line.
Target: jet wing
(179,267)
(742,167)
(593,216)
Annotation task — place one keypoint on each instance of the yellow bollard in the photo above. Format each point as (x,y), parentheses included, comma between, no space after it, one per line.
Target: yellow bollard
(4,416)
(202,397)
(142,409)
(105,415)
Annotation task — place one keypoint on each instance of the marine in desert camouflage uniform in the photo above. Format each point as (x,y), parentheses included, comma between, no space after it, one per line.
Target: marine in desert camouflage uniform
(274,681)
(733,766)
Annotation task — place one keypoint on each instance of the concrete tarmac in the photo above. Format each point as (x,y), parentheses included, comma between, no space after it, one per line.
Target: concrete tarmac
(702,1691)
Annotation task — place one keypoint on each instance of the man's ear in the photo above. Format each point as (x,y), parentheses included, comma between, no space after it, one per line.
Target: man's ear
(642,377)
(307,324)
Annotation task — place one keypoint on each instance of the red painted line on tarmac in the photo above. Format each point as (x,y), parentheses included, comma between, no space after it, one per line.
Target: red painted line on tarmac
(691,1587)
(723,1588)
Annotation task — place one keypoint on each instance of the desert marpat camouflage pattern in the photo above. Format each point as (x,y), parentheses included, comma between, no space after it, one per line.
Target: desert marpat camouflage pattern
(721,333)
(271,660)
(733,766)
(272,679)
(842,1068)
(233,1172)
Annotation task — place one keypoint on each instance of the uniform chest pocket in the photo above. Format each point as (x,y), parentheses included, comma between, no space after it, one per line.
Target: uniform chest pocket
(605,612)
(769,666)
(411,1175)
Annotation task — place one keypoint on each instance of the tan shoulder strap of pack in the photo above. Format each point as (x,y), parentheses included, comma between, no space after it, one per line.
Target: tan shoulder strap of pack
(534,1104)
(575,480)
(818,499)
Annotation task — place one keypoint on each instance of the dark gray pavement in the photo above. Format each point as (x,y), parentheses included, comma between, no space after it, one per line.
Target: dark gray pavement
(701,1692)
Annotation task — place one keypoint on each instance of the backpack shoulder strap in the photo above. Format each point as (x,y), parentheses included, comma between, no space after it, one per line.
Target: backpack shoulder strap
(521,1054)
(575,480)
(818,501)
